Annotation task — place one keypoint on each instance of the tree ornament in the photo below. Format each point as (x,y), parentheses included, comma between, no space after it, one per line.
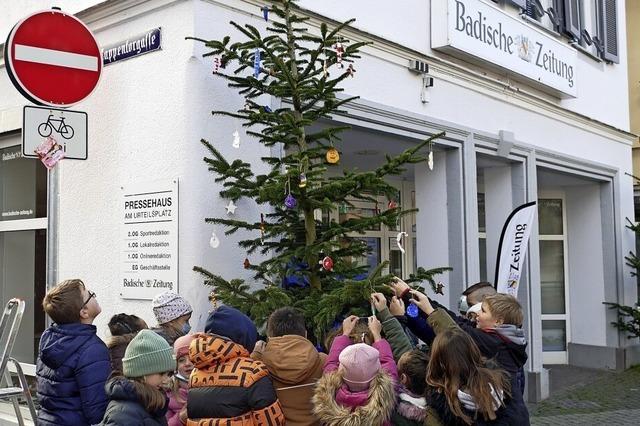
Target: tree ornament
(325,70)
(265,12)
(231,207)
(236,140)
(289,201)
(392,204)
(412,311)
(303,180)
(333,156)
(256,63)
(399,240)
(327,263)
(267,108)
(214,242)
(216,64)
(339,52)
(246,263)
(351,70)
(440,288)
(213,299)
(262,228)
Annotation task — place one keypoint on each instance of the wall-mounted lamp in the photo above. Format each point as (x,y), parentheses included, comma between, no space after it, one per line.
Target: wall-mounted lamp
(422,68)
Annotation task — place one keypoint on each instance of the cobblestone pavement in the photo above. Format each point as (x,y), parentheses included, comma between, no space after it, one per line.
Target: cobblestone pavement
(590,397)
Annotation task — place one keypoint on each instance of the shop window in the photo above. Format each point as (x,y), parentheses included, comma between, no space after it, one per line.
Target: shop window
(23,181)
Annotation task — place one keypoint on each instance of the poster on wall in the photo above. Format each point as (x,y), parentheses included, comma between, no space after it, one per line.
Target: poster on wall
(149,239)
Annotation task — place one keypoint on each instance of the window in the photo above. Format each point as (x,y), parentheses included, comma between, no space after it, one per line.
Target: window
(591,24)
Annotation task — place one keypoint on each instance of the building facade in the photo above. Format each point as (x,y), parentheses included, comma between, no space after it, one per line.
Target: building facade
(533,101)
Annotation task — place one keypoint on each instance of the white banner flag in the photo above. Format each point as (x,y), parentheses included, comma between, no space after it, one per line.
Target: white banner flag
(513,247)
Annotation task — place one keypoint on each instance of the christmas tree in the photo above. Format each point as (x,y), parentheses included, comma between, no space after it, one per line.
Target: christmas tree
(310,263)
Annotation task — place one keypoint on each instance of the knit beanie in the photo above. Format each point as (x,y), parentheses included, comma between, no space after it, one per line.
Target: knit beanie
(147,353)
(168,306)
(233,324)
(360,364)
(181,345)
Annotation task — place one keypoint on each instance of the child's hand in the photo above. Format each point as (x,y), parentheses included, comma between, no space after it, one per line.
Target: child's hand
(398,286)
(396,307)
(422,302)
(183,414)
(376,328)
(348,324)
(379,301)
(259,347)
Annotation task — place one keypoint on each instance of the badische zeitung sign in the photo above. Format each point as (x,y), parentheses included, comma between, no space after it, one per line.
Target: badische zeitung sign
(472,27)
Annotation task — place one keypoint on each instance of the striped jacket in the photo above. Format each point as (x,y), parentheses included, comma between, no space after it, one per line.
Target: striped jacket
(228,388)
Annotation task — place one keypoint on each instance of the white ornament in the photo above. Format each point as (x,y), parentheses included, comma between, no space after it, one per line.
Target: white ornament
(214,242)
(430,160)
(231,208)
(236,140)
(399,240)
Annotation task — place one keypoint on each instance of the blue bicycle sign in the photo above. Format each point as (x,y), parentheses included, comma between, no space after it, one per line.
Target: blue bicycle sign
(45,129)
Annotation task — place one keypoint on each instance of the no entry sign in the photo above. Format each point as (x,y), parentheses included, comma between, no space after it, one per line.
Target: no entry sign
(53,59)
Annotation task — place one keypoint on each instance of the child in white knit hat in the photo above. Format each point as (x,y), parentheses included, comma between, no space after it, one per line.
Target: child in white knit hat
(173,313)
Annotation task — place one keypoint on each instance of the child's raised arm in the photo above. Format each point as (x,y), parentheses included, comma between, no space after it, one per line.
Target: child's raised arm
(339,343)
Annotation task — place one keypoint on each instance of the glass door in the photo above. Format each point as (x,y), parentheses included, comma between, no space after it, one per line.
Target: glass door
(553,277)
(23,240)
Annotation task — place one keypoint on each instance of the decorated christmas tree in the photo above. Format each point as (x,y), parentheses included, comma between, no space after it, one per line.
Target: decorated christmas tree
(309,263)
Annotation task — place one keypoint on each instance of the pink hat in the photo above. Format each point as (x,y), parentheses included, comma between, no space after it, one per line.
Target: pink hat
(181,345)
(360,364)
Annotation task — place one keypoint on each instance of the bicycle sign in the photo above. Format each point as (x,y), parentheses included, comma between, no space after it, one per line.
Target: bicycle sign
(61,128)
(69,128)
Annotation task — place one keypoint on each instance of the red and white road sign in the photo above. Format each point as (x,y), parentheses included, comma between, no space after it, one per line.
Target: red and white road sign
(53,59)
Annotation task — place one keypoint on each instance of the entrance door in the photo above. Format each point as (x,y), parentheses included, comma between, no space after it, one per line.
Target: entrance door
(553,277)
(23,223)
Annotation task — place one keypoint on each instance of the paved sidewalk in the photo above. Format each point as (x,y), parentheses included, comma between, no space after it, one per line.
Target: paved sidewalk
(590,397)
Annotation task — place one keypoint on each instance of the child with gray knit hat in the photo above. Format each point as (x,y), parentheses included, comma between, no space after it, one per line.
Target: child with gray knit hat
(138,397)
(173,313)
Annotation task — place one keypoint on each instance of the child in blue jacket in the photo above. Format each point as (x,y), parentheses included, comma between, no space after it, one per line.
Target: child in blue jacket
(73,363)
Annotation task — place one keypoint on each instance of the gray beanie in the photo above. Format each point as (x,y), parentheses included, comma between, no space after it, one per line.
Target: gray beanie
(147,353)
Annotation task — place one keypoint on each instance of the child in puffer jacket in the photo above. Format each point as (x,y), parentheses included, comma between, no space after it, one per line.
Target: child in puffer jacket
(179,385)
(358,387)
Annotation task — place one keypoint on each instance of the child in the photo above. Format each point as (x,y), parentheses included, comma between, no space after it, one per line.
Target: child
(173,313)
(226,385)
(293,363)
(179,385)
(123,328)
(411,409)
(73,363)
(412,365)
(498,336)
(461,390)
(138,398)
(358,385)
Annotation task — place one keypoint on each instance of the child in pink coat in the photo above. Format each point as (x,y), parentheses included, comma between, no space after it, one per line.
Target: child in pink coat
(358,387)
(177,413)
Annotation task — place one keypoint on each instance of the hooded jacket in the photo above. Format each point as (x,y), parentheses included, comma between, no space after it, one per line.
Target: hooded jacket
(227,387)
(295,366)
(124,408)
(72,369)
(335,404)
(117,345)
(411,410)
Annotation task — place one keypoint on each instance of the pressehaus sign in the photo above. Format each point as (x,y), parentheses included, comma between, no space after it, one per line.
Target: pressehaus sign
(472,27)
